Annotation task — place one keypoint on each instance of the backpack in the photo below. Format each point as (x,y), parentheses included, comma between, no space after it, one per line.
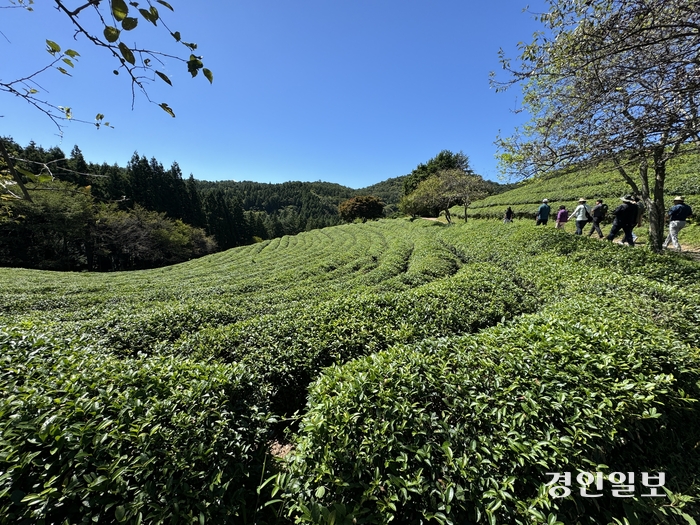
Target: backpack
(602,211)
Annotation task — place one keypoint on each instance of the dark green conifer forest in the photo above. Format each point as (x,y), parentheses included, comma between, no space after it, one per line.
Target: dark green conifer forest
(96,217)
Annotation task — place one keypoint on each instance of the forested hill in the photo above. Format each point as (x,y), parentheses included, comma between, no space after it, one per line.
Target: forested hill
(291,207)
(88,216)
(287,208)
(389,190)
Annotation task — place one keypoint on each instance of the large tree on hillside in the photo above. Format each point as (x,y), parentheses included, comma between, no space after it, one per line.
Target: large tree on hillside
(365,207)
(615,82)
(445,160)
(445,189)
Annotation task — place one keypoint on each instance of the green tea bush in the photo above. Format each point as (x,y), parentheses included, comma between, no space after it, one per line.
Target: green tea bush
(603,181)
(289,350)
(218,342)
(127,331)
(464,430)
(89,438)
(430,260)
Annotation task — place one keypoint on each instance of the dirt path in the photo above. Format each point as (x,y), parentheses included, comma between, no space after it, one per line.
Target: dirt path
(691,251)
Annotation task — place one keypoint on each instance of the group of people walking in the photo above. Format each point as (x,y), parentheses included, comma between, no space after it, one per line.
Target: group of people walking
(625,217)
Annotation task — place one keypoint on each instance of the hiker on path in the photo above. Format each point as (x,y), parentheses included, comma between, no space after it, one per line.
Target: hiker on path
(508,217)
(543,213)
(677,215)
(640,214)
(562,217)
(625,219)
(598,213)
(581,214)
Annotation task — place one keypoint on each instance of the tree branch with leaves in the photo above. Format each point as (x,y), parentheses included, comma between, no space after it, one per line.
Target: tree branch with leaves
(105,24)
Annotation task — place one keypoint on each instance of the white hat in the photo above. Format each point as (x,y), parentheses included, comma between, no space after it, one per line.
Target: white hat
(582,199)
(545,200)
(679,198)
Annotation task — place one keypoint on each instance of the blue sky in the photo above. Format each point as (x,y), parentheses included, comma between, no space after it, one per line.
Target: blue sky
(352,92)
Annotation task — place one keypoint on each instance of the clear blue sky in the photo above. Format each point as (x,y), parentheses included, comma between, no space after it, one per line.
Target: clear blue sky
(352,92)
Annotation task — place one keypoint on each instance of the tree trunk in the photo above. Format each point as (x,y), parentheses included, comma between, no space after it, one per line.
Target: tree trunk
(657,209)
(448,216)
(465,213)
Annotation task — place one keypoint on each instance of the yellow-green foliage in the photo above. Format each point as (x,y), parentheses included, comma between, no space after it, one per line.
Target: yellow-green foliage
(396,328)
(602,182)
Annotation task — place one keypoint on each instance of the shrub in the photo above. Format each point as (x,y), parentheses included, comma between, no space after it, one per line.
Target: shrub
(464,430)
(289,350)
(87,437)
(361,207)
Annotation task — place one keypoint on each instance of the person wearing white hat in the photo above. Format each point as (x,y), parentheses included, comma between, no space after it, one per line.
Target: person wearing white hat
(581,214)
(543,213)
(677,215)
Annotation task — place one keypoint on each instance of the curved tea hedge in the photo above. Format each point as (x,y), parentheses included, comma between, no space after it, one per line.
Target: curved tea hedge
(289,350)
(464,430)
(603,182)
(87,437)
(157,396)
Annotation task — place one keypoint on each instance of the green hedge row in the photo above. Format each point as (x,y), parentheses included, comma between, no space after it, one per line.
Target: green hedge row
(289,350)
(464,430)
(248,331)
(89,438)
(600,182)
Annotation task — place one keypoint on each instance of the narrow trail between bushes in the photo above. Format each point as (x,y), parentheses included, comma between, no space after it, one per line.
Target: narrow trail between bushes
(691,251)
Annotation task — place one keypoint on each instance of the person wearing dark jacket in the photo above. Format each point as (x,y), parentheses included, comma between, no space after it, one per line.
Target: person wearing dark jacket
(625,220)
(508,217)
(543,213)
(598,213)
(677,216)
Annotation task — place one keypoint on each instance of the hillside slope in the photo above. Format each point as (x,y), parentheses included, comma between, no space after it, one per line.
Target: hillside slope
(683,178)
(439,373)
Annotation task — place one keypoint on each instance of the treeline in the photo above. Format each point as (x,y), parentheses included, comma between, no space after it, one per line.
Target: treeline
(273,210)
(64,228)
(100,217)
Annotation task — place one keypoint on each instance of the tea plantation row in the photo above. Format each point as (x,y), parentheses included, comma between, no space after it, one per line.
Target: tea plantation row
(465,364)
(601,182)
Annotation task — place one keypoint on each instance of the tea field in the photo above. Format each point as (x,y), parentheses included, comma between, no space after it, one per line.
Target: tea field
(601,182)
(417,373)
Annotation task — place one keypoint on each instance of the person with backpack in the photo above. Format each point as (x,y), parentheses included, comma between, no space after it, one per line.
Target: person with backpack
(625,220)
(562,217)
(677,216)
(543,213)
(508,217)
(581,214)
(640,214)
(598,213)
